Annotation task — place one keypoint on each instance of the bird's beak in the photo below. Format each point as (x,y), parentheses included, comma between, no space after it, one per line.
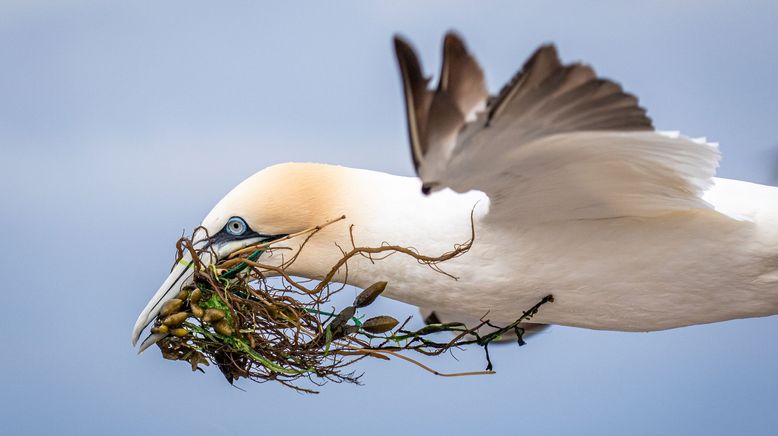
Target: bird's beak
(182,275)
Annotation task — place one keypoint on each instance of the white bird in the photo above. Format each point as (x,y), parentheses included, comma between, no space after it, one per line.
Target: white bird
(574,193)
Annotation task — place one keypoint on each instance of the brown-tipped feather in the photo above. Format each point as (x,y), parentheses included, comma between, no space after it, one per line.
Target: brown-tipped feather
(417,97)
(461,77)
(542,99)
(434,118)
(541,63)
(546,97)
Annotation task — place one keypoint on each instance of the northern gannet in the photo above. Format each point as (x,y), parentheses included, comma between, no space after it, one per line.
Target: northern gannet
(573,193)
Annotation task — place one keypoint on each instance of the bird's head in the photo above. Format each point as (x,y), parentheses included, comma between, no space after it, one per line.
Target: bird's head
(275,202)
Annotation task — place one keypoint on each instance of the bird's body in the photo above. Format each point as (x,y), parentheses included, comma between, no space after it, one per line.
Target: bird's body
(572,191)
(620,273)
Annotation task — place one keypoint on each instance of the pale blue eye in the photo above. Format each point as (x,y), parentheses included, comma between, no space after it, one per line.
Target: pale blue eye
(236,226)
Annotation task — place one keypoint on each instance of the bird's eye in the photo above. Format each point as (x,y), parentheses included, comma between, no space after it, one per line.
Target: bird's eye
(236,226)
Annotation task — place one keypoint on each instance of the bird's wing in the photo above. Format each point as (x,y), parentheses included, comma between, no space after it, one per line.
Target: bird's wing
(557,142)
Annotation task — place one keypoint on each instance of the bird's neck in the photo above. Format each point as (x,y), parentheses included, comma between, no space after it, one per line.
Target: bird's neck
(383,209)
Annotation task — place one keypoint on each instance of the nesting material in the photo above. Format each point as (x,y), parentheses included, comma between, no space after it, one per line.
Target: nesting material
(284,331)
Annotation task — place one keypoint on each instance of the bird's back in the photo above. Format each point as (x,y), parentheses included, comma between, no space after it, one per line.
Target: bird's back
(644,273)
(624,273)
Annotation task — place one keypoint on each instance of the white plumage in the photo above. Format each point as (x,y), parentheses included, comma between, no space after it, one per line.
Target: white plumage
(575,194)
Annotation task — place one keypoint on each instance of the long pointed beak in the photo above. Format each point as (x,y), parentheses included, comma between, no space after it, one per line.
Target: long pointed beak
(180,276)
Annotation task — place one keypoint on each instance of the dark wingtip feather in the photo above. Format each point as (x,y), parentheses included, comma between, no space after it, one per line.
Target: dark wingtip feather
(453,43)
(564,97)
(545,55)
(400,43)
(461,77)
(404,51)
(547,49)
(414,90)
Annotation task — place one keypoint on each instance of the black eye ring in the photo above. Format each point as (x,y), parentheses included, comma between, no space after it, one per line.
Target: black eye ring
(236,226)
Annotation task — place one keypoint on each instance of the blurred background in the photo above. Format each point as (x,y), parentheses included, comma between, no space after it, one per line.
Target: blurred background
(122,124)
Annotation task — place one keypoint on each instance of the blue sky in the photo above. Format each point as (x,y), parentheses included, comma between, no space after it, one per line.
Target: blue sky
(107,110)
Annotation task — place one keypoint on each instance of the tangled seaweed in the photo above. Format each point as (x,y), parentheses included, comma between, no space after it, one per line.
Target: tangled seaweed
(250,327)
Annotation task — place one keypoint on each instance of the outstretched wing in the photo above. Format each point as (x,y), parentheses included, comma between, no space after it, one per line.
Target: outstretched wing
(557,142)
